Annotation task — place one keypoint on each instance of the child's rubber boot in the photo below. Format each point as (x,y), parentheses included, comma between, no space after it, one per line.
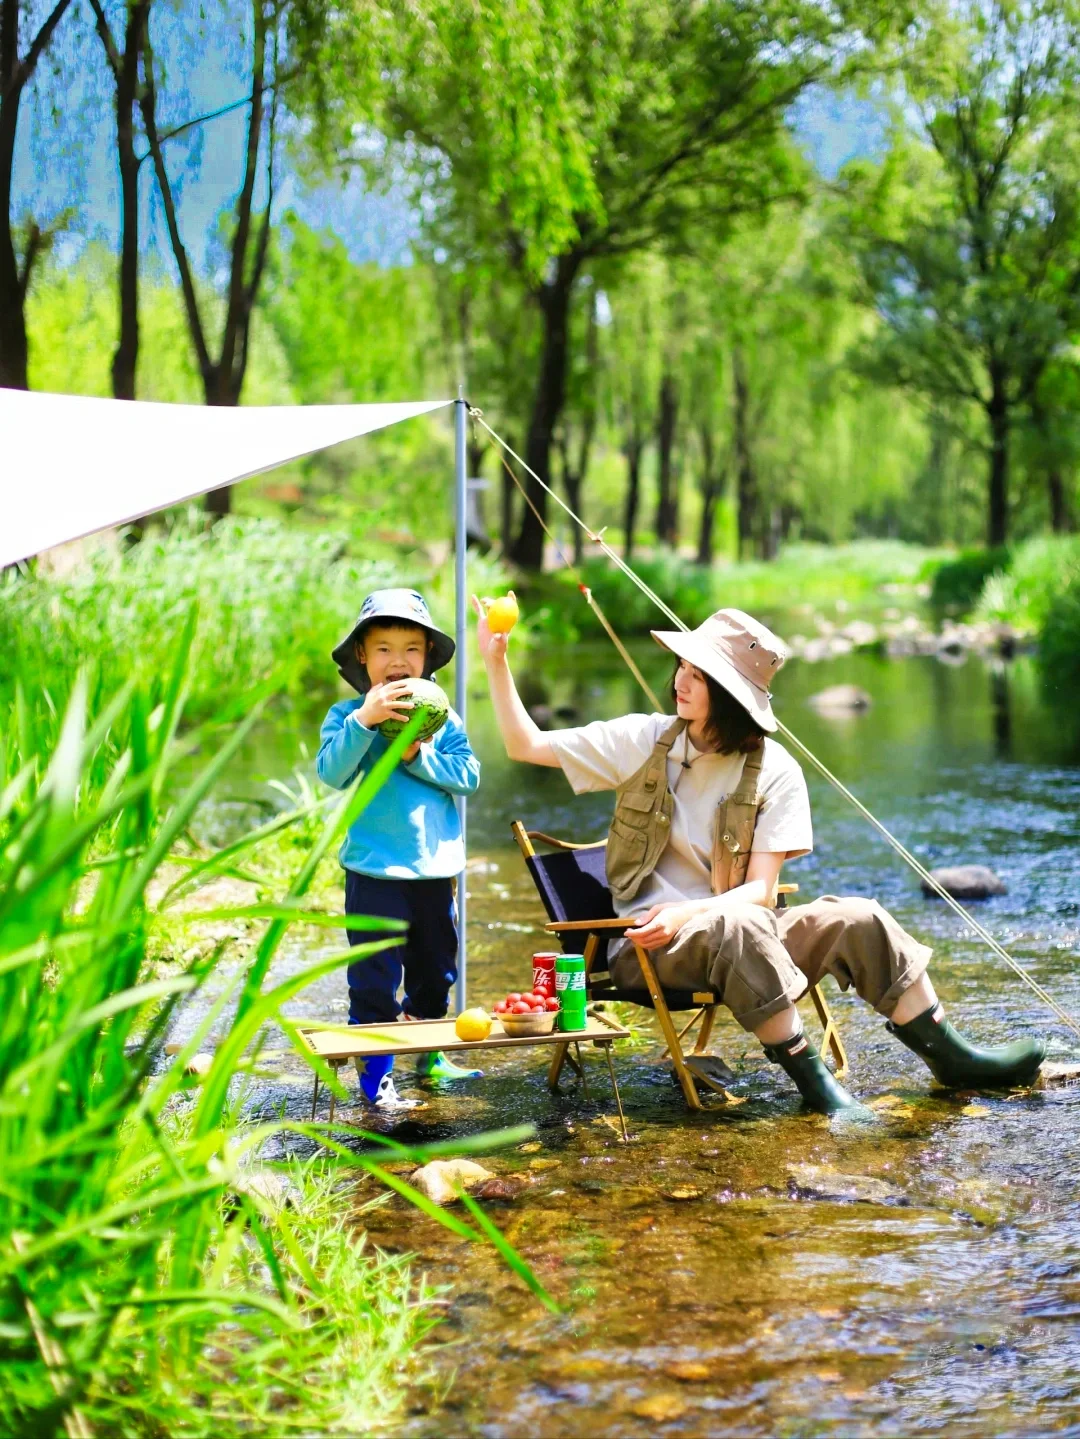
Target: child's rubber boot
(377,1087)
(813,1079)
(435,1065)
(959,1065)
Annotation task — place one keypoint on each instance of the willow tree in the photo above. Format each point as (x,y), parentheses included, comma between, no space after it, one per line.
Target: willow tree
(565,132)
(969,229)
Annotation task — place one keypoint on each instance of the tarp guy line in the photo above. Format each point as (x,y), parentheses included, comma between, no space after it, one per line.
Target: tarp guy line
(823,769)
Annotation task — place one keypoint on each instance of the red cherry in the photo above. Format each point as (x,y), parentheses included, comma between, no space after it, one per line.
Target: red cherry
(513,998)
(499,1008)
(519,1007)
(551,1004)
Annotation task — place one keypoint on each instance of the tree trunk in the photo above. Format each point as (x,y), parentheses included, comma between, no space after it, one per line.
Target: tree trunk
(633,449)
(667,503)
(14,355)
(124,65)
(997,414)
(126,357)
(744,459)
(1061,520)
(15,73)
(554,300)
(506,509)
(223,378)
(711,484)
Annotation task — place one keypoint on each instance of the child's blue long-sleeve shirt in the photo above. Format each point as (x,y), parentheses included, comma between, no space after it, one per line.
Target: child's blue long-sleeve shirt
(410,830)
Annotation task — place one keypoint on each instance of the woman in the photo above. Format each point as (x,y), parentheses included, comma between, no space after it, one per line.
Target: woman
(707,810)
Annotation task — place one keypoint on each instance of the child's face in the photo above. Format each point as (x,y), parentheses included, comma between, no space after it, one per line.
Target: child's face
(393,653)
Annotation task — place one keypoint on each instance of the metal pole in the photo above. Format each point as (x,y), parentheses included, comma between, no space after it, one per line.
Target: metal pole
(461,411)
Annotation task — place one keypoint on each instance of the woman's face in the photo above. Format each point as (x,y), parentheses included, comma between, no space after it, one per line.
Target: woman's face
(691,694)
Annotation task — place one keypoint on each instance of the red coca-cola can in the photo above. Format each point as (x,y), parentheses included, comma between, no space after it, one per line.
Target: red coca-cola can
(544,973)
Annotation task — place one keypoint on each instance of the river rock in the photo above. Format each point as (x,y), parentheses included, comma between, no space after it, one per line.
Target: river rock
(442,1179)
(820,1181)
(844,698)
(967,881)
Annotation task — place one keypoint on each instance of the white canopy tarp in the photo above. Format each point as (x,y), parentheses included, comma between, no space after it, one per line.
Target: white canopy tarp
(70,465)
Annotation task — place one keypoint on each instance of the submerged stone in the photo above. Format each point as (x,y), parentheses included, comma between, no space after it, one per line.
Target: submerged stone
(443,1179)
(820,1181)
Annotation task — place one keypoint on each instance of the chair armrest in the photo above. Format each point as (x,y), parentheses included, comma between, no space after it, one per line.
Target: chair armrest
(558,926)
(554,843)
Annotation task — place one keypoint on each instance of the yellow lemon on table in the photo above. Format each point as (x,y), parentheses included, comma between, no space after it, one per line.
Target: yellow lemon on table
(472,1024)
(503,614)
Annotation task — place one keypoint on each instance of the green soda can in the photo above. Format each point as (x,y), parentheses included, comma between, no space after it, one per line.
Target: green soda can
(570,990)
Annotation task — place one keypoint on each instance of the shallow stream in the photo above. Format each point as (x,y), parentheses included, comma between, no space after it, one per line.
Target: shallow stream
(753,1269)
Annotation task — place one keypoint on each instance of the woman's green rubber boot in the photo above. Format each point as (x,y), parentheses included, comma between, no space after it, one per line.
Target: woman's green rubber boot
(813,1079)
(960,1065)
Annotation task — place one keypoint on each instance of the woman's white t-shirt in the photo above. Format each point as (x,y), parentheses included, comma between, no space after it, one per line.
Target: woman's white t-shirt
(604,755)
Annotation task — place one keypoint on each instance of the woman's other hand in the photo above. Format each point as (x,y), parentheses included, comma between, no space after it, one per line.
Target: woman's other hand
(659,925)
(492,647)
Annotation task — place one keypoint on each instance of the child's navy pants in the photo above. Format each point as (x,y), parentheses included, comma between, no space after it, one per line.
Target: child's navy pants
(426,955)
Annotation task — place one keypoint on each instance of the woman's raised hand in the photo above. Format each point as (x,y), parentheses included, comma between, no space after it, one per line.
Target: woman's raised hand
(492,647)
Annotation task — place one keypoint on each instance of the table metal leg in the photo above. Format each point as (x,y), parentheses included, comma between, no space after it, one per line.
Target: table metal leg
(615,1087)
(581,1069)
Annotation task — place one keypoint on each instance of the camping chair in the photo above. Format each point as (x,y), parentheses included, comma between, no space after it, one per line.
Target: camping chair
(572,883)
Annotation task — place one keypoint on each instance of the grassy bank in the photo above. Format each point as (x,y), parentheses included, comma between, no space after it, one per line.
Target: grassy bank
(864,574)
(272,602)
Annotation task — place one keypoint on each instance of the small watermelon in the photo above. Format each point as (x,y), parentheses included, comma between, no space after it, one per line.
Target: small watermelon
(430,699)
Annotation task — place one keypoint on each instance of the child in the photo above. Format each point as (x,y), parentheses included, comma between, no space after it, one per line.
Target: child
(400,854)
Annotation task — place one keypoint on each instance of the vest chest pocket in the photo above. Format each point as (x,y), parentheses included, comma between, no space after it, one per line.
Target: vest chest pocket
(633,812)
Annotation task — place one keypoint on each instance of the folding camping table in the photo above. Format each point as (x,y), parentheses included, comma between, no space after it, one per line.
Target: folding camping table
(339,1044)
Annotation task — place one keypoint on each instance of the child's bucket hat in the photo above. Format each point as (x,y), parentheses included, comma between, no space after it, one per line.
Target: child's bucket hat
(738,652)
(405,605)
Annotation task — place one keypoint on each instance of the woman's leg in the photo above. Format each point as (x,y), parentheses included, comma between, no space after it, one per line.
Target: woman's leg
(740,958)
(862,945)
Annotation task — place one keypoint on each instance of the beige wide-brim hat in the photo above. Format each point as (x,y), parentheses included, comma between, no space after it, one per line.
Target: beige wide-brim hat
(736,651)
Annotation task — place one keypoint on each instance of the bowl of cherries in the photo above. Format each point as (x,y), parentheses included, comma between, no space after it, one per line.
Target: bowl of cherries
(523,1014)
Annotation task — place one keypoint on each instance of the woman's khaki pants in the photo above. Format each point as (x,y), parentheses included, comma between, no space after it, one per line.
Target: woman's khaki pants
(758,961)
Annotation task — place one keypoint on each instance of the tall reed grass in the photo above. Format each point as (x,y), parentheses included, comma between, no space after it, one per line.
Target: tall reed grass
(147,1285)
(273,601)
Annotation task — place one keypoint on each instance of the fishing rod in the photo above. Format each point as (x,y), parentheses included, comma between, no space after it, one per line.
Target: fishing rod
(597,538)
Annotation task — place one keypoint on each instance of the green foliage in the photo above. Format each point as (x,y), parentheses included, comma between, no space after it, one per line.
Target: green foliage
(272,603)
(968,230)
(958,583)
(802,574)
(1024,593)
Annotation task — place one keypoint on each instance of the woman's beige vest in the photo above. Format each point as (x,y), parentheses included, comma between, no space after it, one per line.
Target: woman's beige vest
(641,825)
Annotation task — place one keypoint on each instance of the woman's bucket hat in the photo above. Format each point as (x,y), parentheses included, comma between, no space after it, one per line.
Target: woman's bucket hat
(405,605)
(736,651)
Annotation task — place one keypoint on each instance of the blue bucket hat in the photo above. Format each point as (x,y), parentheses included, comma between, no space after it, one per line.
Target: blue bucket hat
(407,605)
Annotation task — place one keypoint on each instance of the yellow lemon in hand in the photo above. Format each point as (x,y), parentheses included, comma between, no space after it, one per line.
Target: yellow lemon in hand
(472,1024)
(502,615)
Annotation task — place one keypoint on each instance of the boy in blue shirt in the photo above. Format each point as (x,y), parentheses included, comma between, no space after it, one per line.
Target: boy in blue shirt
(400,855)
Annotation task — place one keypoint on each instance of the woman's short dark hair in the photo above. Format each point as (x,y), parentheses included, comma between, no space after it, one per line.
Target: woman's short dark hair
(729,726)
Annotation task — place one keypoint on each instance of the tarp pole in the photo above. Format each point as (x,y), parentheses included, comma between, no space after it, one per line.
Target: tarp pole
(461,411)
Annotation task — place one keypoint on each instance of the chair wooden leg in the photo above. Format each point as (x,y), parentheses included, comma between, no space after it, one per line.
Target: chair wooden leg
(830,1039)
(314,1096)
(705,1032)
(667,1027)
(687,1027)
